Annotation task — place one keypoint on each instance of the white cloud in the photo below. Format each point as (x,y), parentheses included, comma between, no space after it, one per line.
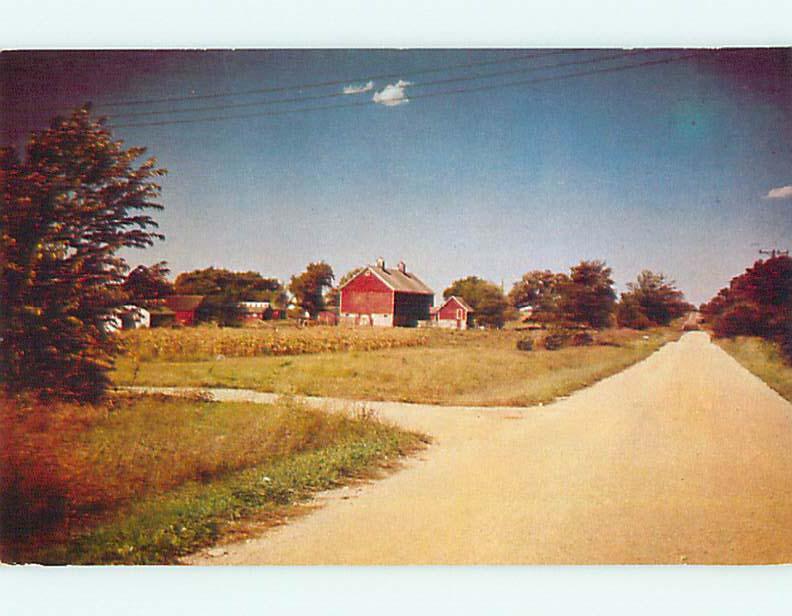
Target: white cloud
(782,192)
(393,94)
(357,88)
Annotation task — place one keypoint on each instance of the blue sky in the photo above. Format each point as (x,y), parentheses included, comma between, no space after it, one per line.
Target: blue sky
(665,167)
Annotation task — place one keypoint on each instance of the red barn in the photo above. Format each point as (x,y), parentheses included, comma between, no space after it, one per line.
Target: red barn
(454,313)
(386,297)
(184,307)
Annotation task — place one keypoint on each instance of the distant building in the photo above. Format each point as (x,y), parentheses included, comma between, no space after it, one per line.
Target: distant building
(454,313)
(327,317)
(161,315)
(184,307)
(126,317)
(134,317)
(385,297)
(250,312)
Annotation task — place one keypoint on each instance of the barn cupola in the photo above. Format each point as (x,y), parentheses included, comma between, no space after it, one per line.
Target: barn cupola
(381,263)
(402,267)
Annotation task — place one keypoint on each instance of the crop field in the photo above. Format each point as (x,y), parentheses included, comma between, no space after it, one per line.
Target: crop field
(208,342)
(448,367)
(146,479)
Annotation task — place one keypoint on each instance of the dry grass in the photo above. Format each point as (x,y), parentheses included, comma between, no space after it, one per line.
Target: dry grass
(466,368)
(65,467)
(764,359)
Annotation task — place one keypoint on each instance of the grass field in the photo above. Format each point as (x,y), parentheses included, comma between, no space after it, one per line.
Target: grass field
(148,479)
(764,359)
(452,368)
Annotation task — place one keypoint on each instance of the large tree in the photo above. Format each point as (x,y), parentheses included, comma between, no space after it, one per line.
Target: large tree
(541,290)
(654,297)
(588,298)
(148,282)
(308,288)
(223,290)
(75,199)
(486,299)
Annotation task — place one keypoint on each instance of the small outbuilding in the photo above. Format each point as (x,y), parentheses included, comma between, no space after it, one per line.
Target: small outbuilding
(185,307)
(454,313)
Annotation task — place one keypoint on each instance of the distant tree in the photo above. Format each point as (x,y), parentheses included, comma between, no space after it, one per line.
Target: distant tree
(486,299)
(629,313)
(588,298)
(223,290)
(148,282)
(308,288)
(655,297)
(541,290)
(332,299)
(68,207)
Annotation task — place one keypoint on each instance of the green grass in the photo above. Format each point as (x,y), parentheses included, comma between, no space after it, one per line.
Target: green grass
(148,479)
(764,359)
(467,368)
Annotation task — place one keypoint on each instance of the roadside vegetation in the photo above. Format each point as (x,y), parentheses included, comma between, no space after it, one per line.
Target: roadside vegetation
(147,479)
(451,368)
(764,358)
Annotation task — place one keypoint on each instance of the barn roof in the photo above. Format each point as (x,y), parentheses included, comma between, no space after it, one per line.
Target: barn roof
(459,301)
(403,282)
(183,303)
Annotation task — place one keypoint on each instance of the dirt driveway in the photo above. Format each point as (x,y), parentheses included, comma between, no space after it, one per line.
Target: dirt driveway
(684,457)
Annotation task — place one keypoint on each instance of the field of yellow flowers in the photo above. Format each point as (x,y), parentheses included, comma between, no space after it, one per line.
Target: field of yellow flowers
(209,342)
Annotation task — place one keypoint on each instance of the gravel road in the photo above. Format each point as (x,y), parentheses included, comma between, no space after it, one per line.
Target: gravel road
(683,458)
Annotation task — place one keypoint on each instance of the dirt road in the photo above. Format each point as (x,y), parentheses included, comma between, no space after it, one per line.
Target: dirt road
(684,457)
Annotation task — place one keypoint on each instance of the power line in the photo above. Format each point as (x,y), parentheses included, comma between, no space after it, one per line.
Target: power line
(452,92)
(425,84)
(322,84)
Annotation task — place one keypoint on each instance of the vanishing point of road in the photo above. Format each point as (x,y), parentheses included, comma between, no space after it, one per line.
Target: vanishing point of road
(685,457)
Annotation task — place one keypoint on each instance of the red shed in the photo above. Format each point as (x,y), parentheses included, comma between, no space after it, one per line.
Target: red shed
(184,307)
(385,297)
(454,313)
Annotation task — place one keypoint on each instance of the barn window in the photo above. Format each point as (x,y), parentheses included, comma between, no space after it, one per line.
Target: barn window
(459,313)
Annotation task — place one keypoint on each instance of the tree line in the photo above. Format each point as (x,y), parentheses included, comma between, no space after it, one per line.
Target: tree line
(585,297)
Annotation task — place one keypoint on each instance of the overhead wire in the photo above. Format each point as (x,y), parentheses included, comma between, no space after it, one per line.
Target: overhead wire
(451,92)
(336,82)
(425,84)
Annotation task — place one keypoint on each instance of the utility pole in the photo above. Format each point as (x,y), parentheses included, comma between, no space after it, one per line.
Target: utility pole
(774,252)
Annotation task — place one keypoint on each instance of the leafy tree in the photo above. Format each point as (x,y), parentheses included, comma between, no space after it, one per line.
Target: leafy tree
(486,299)
(540,289)
(148,282)
(588,298)
(68,207)
(654,297)
(332,299)
(308,287)
(757,302)
(629,313)
(223,290)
